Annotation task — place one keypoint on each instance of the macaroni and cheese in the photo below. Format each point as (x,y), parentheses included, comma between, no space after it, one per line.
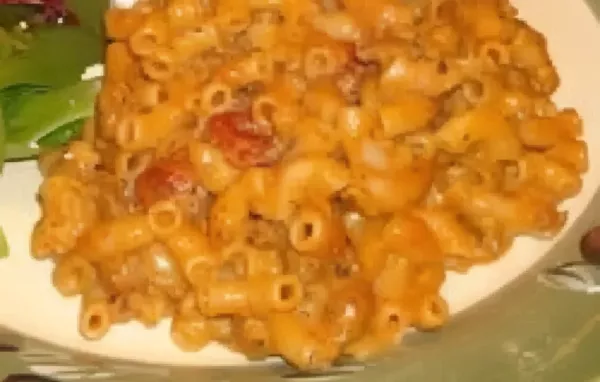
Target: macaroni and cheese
(295,178)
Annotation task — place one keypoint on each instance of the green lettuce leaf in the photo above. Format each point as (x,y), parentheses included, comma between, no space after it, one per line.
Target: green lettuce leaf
(42,114)
(56,57)
(90,13)
(19,152)
(12,102)
(13,97)
(11,15)
(3,245)
(43,102)
(62,135)
(2,140)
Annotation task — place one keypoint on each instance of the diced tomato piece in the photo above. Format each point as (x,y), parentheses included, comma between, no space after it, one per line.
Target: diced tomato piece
(164,179)
(239,139)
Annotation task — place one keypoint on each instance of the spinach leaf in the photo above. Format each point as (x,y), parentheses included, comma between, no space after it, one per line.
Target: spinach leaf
(42,101)
(56,57)
(12,98)
(90,13)
(62,135)
(2,139)
(11,15)
(19,151)
(13,41)
(3,245)
(41,114)
(11,102)
(27,150)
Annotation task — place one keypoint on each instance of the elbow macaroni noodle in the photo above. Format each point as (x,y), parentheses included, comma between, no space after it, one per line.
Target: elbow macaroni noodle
(297,177)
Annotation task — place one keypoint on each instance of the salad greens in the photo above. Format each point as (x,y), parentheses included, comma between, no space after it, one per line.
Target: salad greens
(90,13)
(43,101)
(3,245)
(41,114)
(55,57)
(2,138)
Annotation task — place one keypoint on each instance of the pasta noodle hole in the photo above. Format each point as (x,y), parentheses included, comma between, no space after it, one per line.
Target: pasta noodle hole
(157,68)
(218,99)
(144,41)
(258,342)
(473,91)
(286,292)
(433,314)
(165,219)
(394,319)
(162,96)
(307,231)
(96,321)
(493,55)
(442,68)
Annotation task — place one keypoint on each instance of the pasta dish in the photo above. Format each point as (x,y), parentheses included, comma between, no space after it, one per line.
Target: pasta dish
(296,178)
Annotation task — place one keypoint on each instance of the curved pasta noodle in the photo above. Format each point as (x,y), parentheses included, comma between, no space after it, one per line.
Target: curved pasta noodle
(455,239)
(406,113)
(120,235)
(152,34)
(378,193)
(257,296)
(318,173)
(139,132)
(193,253)
(386,329)
(484,126)
(121,24)
(161,267)
(433,313)
(95,317)
(73,275)
(190,333)
(183,14)
(251,336)
(69,210)
(165,218)
(291,338)
(263,262)
(118,62)
(160,65)
(562,181)
(148,308)
(315,231)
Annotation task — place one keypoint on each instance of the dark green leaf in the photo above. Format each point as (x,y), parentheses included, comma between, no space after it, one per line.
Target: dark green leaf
(11,15)
(26,150)
(3,245)
(62,135)
(19,151)
(90,13)
(56,57)
(12,98)
(2,139)
(42,114)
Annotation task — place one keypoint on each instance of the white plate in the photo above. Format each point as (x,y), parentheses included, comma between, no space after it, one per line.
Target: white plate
(29,304)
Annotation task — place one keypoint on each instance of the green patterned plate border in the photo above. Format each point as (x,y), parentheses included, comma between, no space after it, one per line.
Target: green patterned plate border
(526,332)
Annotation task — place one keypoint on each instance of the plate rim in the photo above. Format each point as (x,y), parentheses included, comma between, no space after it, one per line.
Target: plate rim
(553,351)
